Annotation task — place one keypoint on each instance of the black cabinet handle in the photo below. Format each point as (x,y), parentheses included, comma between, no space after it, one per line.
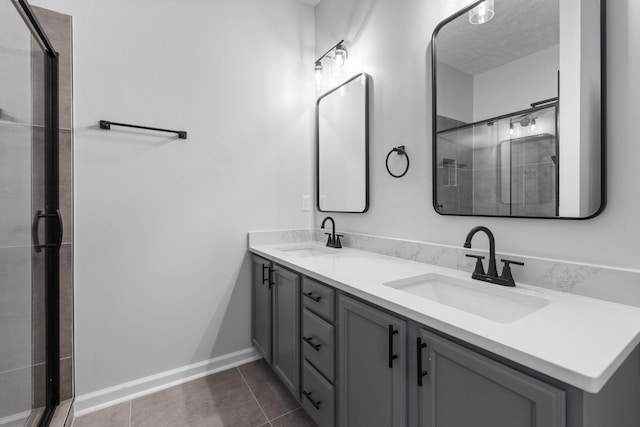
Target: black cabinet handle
(421,373)
(311,296)
(265,267)
(272,275)
(309,341)
(392,356)
(313,402)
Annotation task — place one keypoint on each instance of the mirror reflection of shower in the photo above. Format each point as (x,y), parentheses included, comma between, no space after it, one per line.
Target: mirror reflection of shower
(506,165)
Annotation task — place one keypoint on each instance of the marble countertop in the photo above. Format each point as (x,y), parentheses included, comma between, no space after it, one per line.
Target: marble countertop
(578,340)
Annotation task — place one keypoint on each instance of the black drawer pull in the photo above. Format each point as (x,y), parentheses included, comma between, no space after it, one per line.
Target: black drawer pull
(313,402)
(421,373)
(311,296)
(392,356)
(309,341)
(265,279)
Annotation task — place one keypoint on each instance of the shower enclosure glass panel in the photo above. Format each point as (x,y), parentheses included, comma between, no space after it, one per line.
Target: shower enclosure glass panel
(505,166)
(26,271)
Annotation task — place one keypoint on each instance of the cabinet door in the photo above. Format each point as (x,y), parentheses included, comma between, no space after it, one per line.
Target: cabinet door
(261,306)
(462,388)
(371,366)
(286,327)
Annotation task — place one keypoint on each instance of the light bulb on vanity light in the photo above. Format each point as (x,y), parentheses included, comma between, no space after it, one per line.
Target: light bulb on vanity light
(318,74)
(482,13)
(318,70)
(511,129)
(340,55)
(533,125)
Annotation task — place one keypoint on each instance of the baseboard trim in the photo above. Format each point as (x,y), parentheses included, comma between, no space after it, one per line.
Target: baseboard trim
(15,419)
(110,396)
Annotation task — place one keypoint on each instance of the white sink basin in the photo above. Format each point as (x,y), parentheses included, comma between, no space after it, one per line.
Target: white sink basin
(492,302)
(307,250)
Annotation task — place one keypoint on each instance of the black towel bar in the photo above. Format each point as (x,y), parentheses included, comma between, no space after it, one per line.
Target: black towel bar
(105,124)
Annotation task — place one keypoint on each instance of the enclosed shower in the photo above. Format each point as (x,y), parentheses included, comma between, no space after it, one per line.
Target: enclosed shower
(505,166)
(30,221)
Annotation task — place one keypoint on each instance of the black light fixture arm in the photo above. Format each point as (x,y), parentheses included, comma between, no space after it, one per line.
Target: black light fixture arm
(324,55)
(105,124)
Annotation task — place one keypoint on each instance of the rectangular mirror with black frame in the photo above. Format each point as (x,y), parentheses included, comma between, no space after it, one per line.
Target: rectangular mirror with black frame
(342,147)
(518,110)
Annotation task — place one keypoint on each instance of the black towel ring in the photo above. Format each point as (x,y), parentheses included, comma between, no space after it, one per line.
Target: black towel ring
(401,151)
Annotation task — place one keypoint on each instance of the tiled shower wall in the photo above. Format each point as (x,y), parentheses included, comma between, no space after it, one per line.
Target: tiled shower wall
(58,28)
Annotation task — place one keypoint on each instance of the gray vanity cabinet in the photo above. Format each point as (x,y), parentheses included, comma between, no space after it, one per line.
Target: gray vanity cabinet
(276,319)
(356,365)
(318,352)
(261,306)
(371,366)
(461,388)
(286,327)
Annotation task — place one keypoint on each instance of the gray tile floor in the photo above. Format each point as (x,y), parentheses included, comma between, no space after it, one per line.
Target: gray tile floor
(248,396)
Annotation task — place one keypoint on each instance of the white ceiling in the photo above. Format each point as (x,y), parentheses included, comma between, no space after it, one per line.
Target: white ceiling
(519,28)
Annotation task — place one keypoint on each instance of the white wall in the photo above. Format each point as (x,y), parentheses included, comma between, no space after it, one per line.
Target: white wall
(390,40)
(579,56)
(514,86)
(458,85)
(590,111)
(162,274)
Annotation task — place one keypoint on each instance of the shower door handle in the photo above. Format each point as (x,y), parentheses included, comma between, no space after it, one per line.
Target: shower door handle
(35,230)
(60,228)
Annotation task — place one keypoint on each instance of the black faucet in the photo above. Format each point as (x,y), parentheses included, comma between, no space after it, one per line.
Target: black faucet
(491,276)
(334,240)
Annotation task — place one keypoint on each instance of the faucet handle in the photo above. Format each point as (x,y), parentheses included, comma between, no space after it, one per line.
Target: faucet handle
(338,243)
(506,271)
(508,262)
(479,269)
(329,240)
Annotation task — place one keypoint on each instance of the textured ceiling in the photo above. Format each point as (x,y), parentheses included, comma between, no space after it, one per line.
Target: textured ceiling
(518,29)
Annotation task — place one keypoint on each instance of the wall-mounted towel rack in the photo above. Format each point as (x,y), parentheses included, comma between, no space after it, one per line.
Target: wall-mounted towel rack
(105,124)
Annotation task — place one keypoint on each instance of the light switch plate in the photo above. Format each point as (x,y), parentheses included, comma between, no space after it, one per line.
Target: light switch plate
(306,203)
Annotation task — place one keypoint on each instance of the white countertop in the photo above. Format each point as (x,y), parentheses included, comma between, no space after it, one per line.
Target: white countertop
(578,340)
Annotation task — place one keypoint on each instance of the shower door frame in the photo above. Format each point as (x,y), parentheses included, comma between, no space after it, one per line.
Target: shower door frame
(53,221)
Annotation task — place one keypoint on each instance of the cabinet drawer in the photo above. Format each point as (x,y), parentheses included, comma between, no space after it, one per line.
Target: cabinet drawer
(318,298)
(318,343)
(318,397)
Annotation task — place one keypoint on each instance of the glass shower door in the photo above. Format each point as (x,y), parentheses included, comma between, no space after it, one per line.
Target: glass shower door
(28,202)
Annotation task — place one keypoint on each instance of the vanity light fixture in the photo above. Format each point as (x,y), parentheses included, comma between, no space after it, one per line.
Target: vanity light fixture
(511,129)
(318,73)
(533,125)
(338,53)
(482,13)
